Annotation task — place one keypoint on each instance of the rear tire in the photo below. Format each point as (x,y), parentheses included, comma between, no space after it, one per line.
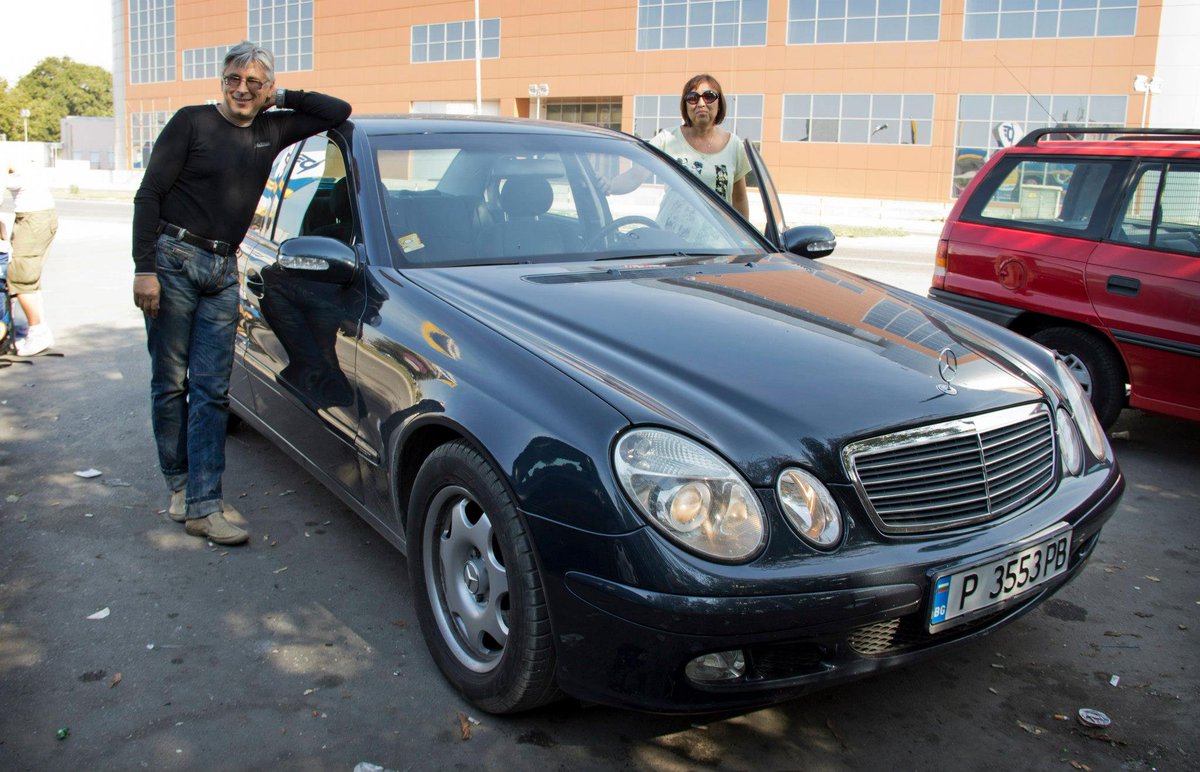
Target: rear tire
(1094,364)
(476,586)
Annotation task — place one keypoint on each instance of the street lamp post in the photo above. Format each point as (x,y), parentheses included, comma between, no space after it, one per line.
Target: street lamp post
(478,62)
(25,122)
(539,90)
(1147,85)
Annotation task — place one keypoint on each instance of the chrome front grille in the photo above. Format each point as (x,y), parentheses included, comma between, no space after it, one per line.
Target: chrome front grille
(956,473)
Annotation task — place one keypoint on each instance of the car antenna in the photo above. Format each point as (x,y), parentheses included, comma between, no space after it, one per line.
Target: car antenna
(1049,114)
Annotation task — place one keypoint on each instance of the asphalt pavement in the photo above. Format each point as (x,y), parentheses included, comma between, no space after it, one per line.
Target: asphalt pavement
(126,644)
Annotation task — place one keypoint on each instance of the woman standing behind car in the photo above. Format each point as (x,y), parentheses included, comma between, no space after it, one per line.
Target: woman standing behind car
(34,227)
(712,153)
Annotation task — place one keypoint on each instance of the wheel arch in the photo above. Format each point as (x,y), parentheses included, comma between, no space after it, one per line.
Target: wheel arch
(414,443)
(1030,323)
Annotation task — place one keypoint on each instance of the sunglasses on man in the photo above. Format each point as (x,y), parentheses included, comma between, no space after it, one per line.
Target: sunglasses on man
(233,81)
(694,97)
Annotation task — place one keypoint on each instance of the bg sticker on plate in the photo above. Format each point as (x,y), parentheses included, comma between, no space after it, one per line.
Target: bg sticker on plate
(411,243)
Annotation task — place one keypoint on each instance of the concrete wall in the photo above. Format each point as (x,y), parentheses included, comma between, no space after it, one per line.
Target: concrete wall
(87,139)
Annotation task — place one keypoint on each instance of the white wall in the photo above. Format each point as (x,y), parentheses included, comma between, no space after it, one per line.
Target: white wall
(1178,104)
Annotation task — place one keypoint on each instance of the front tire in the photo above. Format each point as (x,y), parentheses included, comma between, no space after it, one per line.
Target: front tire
(476,585)
(1094,364)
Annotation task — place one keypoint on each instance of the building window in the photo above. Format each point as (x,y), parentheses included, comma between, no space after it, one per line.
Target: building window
(991,19)
(151,41)
(201,63)
(984,119)
(144,129)
(862,21)
(878,119)
(285,28)
(664,24)
(605,113)
(454,41)
(743,115)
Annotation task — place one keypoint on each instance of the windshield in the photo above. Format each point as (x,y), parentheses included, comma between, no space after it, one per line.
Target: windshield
(459,199)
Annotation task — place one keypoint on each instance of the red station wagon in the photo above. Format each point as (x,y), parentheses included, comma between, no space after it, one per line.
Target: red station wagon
(1090,247)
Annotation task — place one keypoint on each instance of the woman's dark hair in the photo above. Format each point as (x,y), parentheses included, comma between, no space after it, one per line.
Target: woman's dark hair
(691,86)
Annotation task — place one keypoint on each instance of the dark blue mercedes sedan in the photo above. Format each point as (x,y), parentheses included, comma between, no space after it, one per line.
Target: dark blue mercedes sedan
(636,450)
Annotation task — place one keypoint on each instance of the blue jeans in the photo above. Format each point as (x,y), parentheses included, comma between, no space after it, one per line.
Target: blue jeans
(191,354)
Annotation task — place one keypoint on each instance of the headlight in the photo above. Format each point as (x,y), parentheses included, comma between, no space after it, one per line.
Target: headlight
(690,494)
(1085,416)
(1069,445)
(809,508)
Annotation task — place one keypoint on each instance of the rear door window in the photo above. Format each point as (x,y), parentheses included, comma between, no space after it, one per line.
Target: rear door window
(1162,210)
(1064,195)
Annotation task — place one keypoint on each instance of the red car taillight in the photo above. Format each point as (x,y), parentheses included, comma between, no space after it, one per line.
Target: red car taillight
(939,264)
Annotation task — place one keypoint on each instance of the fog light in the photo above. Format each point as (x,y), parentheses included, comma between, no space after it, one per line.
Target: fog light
(717,666)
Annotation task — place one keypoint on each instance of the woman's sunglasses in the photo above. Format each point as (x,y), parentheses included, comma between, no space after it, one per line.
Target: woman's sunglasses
(694,97)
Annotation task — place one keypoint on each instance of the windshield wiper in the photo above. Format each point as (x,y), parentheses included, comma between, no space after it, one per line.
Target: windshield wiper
(659,254)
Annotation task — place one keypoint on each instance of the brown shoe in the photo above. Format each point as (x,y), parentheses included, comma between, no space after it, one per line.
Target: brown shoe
(216,529)
(177,510)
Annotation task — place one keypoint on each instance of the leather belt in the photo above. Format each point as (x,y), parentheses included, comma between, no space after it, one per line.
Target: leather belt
(183,234)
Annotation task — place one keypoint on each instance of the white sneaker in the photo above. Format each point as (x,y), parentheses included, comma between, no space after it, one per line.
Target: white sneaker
(38,339)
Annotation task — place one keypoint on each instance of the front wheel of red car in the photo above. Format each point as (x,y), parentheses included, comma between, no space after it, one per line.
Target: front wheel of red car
(1094,364)
(476,585)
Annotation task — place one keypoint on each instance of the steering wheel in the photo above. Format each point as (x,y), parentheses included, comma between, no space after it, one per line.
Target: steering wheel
(616,225)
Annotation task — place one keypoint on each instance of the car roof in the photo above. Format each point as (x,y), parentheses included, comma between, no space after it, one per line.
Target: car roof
(425,123)
(1125,141)
(1115,147)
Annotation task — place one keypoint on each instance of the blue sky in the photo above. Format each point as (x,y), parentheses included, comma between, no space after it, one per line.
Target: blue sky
(35,29)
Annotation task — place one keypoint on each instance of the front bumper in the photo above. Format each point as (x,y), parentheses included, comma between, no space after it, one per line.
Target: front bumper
(622,644)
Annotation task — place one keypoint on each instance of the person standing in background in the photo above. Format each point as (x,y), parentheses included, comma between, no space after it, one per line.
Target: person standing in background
(715,155)
(197,198)
(34,226)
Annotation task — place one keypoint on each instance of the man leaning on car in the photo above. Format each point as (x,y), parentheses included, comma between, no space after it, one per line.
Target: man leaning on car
(198,196)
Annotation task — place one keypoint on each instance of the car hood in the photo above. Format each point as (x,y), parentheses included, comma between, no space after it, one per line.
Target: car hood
(769,360)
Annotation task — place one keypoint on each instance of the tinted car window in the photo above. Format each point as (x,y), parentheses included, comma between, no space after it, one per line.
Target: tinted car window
(454,199)
(1056,195)
(310,206)
(1162,209)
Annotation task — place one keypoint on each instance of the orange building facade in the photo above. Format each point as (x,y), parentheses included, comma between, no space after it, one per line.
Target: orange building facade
(880,99)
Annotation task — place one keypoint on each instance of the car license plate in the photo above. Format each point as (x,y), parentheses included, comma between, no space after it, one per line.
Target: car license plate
(964,592)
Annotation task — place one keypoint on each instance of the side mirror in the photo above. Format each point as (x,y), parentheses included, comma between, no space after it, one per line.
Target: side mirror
(809,241)
(318,258)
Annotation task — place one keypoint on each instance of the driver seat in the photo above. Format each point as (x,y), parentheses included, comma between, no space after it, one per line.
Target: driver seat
(525,230)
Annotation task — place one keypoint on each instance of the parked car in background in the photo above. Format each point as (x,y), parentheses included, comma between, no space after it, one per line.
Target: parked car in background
(636,451)
(1090,247)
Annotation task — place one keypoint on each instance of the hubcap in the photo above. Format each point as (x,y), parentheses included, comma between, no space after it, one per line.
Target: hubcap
(466,579)
(1079,370)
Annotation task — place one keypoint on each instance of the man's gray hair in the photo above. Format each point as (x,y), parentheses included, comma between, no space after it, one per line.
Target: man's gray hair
(246,53)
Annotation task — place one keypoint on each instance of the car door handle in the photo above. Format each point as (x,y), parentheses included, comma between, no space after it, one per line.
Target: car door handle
(254,283)
(1123,285)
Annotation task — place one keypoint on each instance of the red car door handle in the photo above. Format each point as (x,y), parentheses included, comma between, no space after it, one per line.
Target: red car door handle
(1123,285)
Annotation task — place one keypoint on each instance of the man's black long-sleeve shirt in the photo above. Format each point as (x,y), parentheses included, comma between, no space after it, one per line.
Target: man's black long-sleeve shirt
(206,174)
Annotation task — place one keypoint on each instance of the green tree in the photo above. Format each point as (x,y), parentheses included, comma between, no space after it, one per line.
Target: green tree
(55,88)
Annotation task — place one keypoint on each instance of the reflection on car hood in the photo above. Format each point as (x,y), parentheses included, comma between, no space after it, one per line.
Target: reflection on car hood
(776,358)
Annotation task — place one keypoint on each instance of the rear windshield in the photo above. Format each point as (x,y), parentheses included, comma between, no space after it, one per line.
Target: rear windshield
(1065,194)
